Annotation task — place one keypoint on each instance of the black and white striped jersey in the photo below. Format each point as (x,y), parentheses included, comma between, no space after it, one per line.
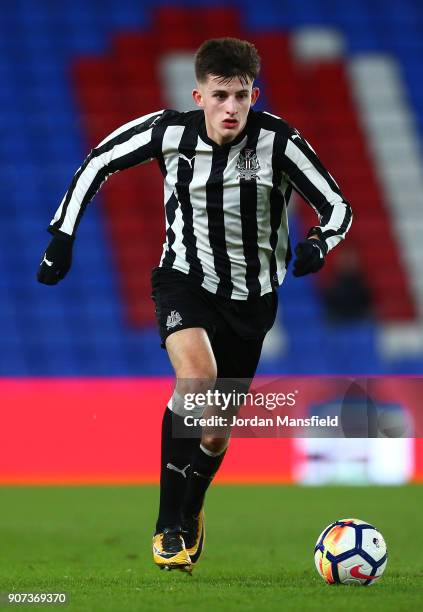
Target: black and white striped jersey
(225,206)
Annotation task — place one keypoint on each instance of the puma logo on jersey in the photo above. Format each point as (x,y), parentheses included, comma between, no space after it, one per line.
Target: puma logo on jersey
(190,161)
(303,140)
(156,119)
(170,466)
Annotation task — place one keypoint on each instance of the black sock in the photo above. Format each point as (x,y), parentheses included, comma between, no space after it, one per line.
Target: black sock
(201,474)
(176,460)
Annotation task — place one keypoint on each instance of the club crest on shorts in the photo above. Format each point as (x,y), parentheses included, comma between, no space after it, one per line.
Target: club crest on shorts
(173,320)
(248,165)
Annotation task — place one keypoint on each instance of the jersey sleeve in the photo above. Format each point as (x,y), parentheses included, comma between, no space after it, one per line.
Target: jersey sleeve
(130,145)
(315,184)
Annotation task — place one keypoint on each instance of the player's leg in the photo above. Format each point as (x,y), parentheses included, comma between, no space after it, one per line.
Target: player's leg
(192,358)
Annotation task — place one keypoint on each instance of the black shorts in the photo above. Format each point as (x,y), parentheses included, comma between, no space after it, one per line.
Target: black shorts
(236,328)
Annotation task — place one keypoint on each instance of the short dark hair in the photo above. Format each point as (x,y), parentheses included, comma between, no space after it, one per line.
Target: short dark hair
(227,58)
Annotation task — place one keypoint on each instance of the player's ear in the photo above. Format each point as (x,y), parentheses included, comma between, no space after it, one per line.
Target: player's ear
(198,98)
(254,95)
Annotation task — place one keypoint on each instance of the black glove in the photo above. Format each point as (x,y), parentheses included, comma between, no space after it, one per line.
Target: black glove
(56,261)
(310,257)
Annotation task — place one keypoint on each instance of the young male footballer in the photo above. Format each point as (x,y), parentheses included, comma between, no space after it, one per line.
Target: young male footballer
(228,174)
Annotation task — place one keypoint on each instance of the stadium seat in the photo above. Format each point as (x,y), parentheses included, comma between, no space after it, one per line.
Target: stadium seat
(69,77)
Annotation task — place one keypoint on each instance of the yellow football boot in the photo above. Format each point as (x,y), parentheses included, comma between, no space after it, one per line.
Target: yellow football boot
(169,551)
(194,533)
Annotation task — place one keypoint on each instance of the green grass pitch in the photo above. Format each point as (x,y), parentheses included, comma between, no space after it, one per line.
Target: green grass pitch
(94,543)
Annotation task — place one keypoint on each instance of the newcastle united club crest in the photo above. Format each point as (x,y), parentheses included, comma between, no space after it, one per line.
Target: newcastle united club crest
(248,165)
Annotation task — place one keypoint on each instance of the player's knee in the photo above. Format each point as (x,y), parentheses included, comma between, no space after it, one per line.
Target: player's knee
(202,370)
(196,377)
(213,444)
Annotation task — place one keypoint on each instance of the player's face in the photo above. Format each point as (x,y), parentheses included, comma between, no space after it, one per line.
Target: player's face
(226,104)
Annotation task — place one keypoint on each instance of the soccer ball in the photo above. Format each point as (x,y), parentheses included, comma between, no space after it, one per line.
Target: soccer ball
(350,551)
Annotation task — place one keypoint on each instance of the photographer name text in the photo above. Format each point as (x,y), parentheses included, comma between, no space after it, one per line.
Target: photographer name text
(255,421)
